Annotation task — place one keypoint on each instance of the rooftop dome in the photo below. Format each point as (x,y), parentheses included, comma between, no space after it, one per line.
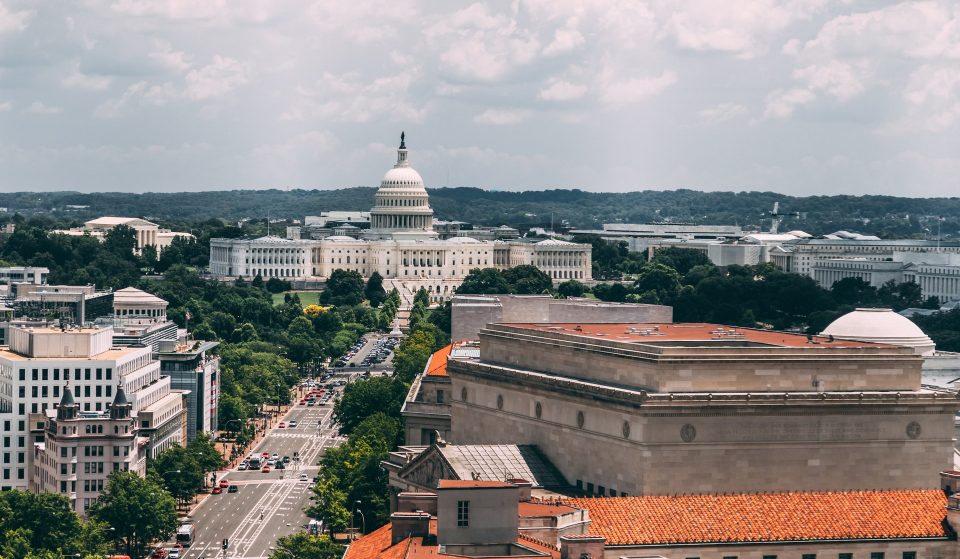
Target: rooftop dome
(880,326)
(402,177)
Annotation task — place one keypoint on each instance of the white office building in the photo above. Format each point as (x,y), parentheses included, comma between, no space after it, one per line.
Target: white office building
(40,361)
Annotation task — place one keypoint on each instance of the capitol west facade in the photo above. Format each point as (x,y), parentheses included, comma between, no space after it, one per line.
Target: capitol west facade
(401,245)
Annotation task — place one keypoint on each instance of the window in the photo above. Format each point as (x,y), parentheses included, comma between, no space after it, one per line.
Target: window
(909,555)
(439,396)
(729,557)
(590,489)
(580,484)
(845,556)
(769,557)
(876,555)
(809,556)
(463,513)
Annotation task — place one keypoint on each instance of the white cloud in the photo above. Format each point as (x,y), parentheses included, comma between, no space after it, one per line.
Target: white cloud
(498,117)
(617,91)
(13,20)
(781,104)
(39,108)
(308,145)
(475,45)
(218,12)
(76,79)
(932,99)
(561,90)
(6,106)
(744,28)
(363,21)
(843,81)
(722,113)
(348,98)
(175,60)
(564,40)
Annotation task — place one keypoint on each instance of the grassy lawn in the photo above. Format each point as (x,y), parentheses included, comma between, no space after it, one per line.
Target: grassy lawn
(306,297)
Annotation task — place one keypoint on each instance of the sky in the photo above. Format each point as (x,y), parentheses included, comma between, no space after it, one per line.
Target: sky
(797,96)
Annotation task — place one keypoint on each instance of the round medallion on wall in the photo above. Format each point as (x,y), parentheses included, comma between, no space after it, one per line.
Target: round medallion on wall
(538,410)
(499,402)
(688,433)
(913,429)
(626,429)
(580,419)
(463,394)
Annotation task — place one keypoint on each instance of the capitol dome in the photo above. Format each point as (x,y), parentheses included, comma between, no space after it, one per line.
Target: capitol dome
(881,326)
(401,202)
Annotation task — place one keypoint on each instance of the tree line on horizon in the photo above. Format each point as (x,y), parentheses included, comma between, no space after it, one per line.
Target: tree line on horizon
(884,216)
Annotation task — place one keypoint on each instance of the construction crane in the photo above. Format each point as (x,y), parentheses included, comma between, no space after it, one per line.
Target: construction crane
(776,217)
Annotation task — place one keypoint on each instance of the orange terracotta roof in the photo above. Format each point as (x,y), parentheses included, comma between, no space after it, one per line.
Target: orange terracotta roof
(694,331)
(376,545)
(528,509)
(767,517)
(437,365)
(467,483)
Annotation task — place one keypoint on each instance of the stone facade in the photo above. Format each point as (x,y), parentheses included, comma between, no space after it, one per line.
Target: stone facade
(679,416)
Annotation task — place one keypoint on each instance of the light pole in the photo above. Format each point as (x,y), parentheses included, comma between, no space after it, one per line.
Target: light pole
(282,549)
(364,520)
(278,399)
(353,532)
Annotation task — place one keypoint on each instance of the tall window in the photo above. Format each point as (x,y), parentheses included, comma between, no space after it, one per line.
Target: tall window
(463,513)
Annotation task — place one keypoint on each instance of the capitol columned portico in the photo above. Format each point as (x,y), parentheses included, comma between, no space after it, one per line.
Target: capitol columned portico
(400,245)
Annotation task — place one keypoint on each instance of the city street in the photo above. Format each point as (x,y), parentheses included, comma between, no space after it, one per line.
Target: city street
(278,496)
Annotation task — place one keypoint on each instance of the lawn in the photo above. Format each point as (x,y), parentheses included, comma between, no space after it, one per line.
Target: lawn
(306,297)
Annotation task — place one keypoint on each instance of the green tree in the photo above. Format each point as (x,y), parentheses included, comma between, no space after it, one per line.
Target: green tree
(366,397)
(374,292)
(681,259)
(148,257)
(178,470)
(484,281)
(39,522)
(571,288)
(527,280)
(277,285)
(222,323)
(139,511)
(659,279)
(410,357)
(344,287)
(231,412)
(306,546)
(121,241)
(330,503)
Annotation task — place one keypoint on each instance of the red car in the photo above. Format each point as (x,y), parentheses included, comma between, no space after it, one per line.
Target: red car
(158,553)
(217,491)
(282,425)
(265,469)
(304,401)
(224,484)
(265,454)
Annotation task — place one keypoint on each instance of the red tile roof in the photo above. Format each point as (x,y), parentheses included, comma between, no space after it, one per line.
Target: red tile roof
(467,483)
(376,545)
(767,517)
(694,331)
(533,509)
(437,365)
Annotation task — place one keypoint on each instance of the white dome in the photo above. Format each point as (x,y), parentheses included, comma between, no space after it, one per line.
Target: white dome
(880,326)
(402,177)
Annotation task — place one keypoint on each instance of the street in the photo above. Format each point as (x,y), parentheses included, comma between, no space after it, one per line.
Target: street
(279,496)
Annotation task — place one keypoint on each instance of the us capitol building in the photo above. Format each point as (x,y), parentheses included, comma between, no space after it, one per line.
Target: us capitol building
(401,245)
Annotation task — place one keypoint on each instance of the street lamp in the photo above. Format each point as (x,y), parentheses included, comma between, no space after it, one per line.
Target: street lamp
(283,550)
(364,520)
(353,532)
(278,399)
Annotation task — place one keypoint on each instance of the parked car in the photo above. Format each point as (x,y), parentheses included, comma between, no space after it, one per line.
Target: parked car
(217,491)
(233,489)
(265,469)
(224,484)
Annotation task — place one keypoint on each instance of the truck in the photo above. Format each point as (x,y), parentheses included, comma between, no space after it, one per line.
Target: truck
(185,534)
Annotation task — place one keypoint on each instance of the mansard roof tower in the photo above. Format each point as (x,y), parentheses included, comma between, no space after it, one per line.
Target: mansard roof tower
(402,207)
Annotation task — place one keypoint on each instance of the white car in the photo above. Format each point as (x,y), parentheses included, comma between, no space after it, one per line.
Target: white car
(303,477)
(173,553)
(292,424)
(271,462)
(275,456)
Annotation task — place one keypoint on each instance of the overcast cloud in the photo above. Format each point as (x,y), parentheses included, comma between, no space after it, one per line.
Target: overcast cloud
(796,96)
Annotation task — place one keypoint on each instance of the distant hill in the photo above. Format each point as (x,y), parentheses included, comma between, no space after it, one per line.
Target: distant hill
(887,216)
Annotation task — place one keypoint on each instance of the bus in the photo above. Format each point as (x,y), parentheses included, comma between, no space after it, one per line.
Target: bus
(254,463)
(185,535)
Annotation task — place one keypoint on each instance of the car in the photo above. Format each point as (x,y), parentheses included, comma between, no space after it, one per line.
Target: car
(281,425)
(265,469)
(316,479)
(275,456)
(173,553)
(303,401)
(293,424)
(217,491)
(271,462)
(242,466)
(224,483)
(233,489)
(303,477)
(265,455)
(159,553)
(286,460)
(280,466)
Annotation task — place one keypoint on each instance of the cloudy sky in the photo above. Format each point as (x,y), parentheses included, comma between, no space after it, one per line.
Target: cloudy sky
(795,96)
